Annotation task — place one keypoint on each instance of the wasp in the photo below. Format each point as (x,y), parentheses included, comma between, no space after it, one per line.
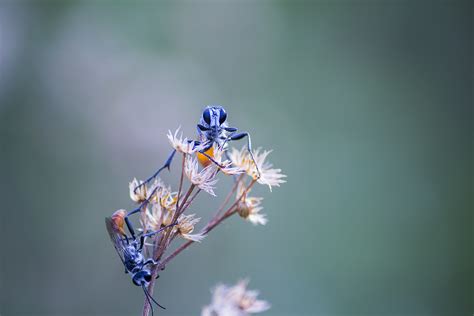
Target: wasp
(130,251)
(212,129)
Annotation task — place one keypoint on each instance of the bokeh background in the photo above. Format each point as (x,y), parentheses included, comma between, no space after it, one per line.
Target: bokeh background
(367,106)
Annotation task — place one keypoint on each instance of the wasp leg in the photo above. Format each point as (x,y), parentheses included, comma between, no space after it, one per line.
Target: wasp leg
(142,237)
(206,147)
(159,230)
(138,209)
(129,224)
(150,261)
(249,146)
(211,159)
(166,165)
(232,131)
(227,156)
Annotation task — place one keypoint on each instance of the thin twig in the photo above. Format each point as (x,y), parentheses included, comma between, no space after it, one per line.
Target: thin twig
(163,246)
(185,207)
(227,198)
(159,250)
(181,181)
(185,199)
(210,226)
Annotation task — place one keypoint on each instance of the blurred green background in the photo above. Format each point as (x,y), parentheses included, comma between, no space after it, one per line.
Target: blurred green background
(367,106)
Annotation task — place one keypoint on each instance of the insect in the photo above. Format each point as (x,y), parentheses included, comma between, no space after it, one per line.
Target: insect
(129,249)
(212,129)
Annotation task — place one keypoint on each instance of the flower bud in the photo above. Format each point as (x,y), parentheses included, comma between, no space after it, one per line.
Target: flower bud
(243,209)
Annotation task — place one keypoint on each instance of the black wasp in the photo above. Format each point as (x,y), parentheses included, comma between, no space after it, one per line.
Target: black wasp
(212,129)
(129,249)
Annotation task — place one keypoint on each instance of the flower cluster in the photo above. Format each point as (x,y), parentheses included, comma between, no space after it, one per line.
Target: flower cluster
(167,211)
(234,301)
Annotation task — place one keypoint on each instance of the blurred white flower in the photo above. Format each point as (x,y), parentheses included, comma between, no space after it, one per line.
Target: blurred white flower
(234,301)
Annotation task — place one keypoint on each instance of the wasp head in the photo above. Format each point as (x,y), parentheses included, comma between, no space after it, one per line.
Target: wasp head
(142,277)
(213,116)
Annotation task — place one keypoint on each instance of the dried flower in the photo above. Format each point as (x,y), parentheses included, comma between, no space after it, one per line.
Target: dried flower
(249,208)
(168,199)
(162,220)
(234,301)
(153,219)
(140,194)
(185,227)
(163,206)
(268,175)
(184,146)
(156,218)
(227,167)
(204,179)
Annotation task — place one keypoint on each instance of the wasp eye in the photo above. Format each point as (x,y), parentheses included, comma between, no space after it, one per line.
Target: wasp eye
(206,115)
(222,116)
(147,277)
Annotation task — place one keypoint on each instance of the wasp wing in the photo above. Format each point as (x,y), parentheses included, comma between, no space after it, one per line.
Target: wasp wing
(116,238)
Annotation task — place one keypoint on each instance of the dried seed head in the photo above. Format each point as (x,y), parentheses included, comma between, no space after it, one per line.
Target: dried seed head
(137,194)
(249,208)
(204,179)
(185,227)
(226,166)
(268,175)
(243,209)
(184,146)
(168,200)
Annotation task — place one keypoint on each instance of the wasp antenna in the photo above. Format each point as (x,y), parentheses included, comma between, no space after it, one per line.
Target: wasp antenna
(147,298)
(151,297)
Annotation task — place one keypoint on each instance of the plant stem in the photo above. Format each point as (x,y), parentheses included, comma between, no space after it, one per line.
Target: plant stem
(216,220)
(185,207)
(181,181)
(210,226)
(227,198)
(163,244)
(158,253)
